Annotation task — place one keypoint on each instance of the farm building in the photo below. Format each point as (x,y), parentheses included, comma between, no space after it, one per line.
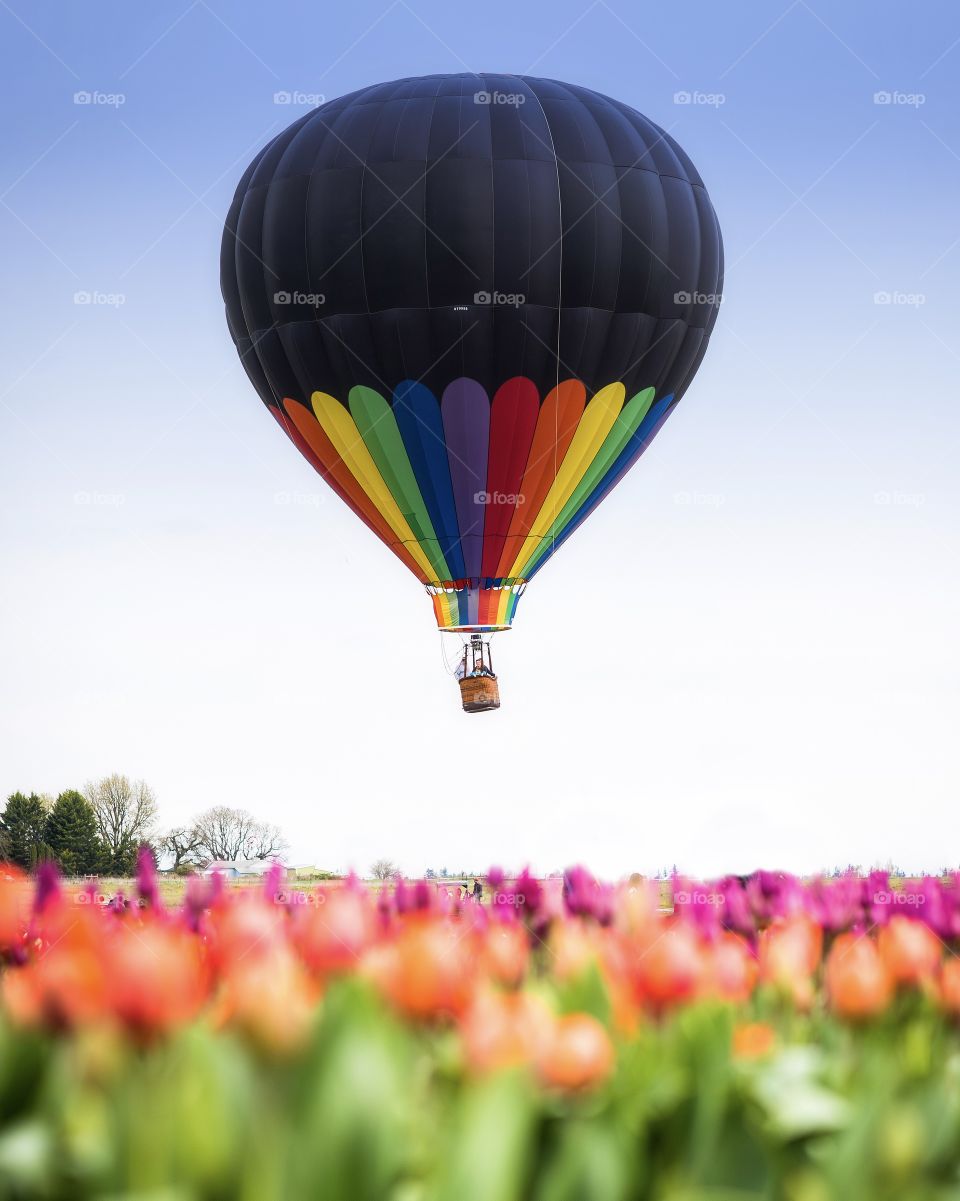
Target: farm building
(236,869)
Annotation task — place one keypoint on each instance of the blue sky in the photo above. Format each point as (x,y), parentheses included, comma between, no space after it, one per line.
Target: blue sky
(747,656)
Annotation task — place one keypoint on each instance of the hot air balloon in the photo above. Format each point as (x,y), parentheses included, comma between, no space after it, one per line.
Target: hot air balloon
(471,301)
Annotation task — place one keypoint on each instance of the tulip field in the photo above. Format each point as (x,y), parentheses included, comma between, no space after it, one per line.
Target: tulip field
(565,1040)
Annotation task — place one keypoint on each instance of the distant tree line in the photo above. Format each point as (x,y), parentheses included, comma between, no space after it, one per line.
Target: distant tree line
(99,831)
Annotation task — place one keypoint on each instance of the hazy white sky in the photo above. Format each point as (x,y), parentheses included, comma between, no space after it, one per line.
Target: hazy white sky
(746,657)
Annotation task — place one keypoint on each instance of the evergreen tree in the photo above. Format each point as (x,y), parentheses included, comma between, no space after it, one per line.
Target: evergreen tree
(71,834)
(120,860)
(24,824)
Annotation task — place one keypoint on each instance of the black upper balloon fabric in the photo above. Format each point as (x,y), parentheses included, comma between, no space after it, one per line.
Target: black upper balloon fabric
(361,237)
(462,287)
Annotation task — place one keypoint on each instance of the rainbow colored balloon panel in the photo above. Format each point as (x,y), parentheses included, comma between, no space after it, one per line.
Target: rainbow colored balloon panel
(474,494)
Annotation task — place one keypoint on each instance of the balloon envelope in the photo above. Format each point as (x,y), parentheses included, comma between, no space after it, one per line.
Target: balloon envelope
(471,301)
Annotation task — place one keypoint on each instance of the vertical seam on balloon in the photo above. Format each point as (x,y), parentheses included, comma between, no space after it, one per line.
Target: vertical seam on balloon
(236,209)
(426,228)
(289,135)
(363,231)
(326,125)
(621,226)
(491,392)
(522,128)
(526,182)
(308,275)
(556,163)
(238,243)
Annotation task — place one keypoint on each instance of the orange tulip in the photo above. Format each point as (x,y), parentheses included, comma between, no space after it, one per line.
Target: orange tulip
(910,950)
(157,975)
(64,986)
(789,955)
(858,982)
(573,947)
(578,1055)
(505,1030)
(753,1040)
(15,898)
(271,998)
(505,953)
(616,971)
(427,971)
(950,986)
(731,971)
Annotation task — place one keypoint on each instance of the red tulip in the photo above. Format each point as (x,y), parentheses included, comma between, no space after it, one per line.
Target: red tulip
(333,930)
(671,969)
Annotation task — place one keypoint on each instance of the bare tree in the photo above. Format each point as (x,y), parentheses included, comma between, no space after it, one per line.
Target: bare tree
(265,841)
(126,814)
(183,845)
(384,869)
(223,831)
(226,833)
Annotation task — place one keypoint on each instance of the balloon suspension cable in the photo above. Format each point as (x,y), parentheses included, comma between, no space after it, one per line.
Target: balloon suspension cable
(448,667)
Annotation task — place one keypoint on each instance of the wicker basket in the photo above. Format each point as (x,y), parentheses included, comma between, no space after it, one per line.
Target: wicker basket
(479,693)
